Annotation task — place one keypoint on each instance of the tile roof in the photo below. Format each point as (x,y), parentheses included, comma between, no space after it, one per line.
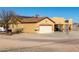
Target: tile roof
(24,16)
(27,19)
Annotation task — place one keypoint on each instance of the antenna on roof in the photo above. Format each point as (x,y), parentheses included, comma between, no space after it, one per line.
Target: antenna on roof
(37,15)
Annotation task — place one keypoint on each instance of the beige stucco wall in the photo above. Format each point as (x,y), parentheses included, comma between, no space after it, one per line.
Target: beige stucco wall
(28,27)
(58,20)
(14,27)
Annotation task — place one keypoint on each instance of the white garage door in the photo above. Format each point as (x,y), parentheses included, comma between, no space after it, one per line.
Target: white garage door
(45,29)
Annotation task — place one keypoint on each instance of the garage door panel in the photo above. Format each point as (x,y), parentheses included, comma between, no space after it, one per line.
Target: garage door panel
(45,29)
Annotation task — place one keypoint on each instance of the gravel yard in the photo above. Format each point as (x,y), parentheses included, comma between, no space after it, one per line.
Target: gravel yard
(54,42)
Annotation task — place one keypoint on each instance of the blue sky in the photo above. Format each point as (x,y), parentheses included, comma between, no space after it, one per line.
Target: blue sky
(65,12)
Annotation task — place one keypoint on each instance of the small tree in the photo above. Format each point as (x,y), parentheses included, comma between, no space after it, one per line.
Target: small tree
(8,17)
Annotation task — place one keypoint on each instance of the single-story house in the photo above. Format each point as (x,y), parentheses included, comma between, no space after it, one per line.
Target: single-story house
(42,24)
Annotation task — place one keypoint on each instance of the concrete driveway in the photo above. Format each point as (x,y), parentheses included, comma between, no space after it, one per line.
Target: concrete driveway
(55,42)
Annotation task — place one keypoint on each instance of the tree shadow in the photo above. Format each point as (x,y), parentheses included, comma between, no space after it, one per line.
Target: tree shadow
(61,41)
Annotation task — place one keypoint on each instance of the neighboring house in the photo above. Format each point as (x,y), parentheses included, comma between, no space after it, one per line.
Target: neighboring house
(2,29)
(42,24)
(69,23)
(76,26)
